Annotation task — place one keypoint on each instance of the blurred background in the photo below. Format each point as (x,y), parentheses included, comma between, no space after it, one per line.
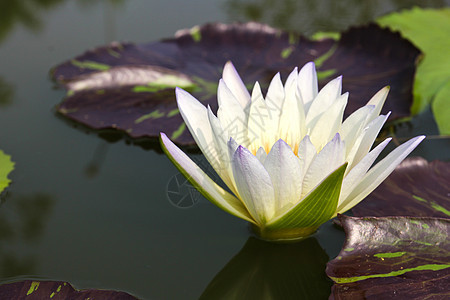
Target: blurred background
(91,208)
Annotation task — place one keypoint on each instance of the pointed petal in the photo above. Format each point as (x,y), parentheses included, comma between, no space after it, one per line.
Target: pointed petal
(354,125)
(355,175)
(365,141)
(220,136)
(326,161)
(223,166)
(209,189)
(195,116)
(329,122)
(292,121)
(379,172)
(254,185)
(324,100)
(261,155)
(378,101)
(274,101)
(306,154)
(232,117)
(307,84)
(235,84)
(284,170)
(258,121)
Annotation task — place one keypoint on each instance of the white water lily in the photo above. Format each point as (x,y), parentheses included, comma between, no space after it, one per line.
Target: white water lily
(289,160)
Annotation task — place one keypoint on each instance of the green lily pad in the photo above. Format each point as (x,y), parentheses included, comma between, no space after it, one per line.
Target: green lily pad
(263,270)
(429,30)
(416,188)
(55,290)
(6,166)
(383,258)
(130,87)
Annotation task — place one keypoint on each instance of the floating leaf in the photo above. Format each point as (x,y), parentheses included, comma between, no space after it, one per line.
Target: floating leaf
(383,258)
(6,166)
(416,188)
(55,290)
(130,87)
(263,270)
(429,30)
(441,108)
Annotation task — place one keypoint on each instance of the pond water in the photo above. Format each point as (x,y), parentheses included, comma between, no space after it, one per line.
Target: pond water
(93,209)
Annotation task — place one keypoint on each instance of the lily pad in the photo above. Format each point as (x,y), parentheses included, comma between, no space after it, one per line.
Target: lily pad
(383,258)
(130,87)
(6,166)
(263,270)
(37,290)
(428,29)
(416,188)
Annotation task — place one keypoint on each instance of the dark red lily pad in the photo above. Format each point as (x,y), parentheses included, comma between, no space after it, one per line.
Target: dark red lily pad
(416,188)
(392,257)
(55,290)
(130,87)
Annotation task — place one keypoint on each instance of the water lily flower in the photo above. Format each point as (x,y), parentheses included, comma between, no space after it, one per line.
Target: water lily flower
(289,160)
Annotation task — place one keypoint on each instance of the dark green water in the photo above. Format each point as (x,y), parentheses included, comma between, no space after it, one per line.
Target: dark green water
(96,213)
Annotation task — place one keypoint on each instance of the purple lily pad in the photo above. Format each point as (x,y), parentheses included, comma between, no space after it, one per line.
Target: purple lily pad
(416,188)
(392,257)
(130,87)
(55,290)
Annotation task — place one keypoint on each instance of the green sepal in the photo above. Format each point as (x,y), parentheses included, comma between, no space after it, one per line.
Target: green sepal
(317,208)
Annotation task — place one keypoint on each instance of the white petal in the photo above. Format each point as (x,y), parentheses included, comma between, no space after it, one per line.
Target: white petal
(292,121)
(378,101)
(365,141)
(274,102)
(284,170)
(235,84)
(232,147)
(354,125)
(379,173)
(232,117)
(223,167)
(203,183)
(307,84)
(306,154)
(324,100)
(356,174)
(329,122)
(261,155)
(254,185)
(220,136)
(195,116)
(328,160)
(258,120)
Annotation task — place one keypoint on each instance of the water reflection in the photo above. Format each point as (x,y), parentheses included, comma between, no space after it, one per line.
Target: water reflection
(13,12)
(310,16)
(26,13)
(99,156)
(263,270)
(6,93)
(23,222)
